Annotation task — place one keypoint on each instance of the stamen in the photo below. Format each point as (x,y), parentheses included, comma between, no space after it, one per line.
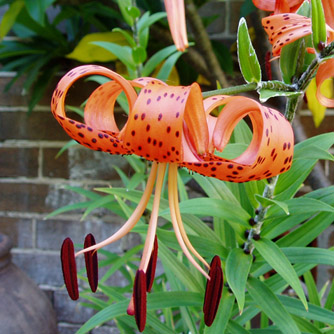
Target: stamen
(152,225)
(139,298)
(150,272)
(179,219)
(69,268)
(135,216)
(91,263)
(213,291)
(172,190)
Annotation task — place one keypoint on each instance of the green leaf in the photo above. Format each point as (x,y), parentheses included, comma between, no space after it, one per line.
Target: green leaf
(313,295)
(313,152)
(319,33)
(279,262)
(87,50)
(316,313)
(238,265)
(37,9)
(266,94)
(139,54)
(216,208)
(223,314)
(330,298)
(9,17)
(123,6)
(271,306)
(123,53)
(234,328)
(290,55)
(156,59)
(249,64)
(306,326)
(268,202)
(168,65)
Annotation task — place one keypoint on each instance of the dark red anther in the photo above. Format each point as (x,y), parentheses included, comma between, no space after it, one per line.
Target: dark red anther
(268,65)
(150,272)
(213,291)
(69,268)
(91,262)
(139,299)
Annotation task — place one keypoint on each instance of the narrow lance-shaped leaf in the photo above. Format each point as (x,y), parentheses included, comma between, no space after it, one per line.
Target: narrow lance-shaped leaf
(248,61)
(319,34)
(238,265)
(279,262)
(271,306)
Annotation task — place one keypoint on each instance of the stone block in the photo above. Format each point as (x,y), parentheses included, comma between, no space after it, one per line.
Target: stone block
(19,230)
(64,328)
(51,233)
(94,165)
(44,268)
(71,311)
(105,330)
(17,162)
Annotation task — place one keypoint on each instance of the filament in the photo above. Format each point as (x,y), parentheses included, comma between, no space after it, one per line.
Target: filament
(135,216)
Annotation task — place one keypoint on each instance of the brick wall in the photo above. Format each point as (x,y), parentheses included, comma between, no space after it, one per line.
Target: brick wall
(32,181)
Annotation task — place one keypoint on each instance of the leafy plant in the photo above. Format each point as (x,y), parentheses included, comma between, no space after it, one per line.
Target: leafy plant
(261,230)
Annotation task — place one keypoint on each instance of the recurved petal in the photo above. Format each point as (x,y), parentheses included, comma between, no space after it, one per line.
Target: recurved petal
(69,268)
(177,23)
(101,132)
(325,71)
(139,299)
(91,262)
(283,29)
(329,12)
(269,5)
(269,152)
(213,291)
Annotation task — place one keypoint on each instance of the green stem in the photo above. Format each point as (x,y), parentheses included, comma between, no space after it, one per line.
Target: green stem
(270,85)
(291,108)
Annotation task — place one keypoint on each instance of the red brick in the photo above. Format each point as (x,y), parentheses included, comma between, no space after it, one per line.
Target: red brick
(36,126)
(55,167)
(24,197)
(18,162)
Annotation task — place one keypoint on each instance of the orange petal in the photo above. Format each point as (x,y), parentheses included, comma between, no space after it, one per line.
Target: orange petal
(269,153)
(100,132)
(325,71)
(269,5)
(177,23)
(284,29)
(329,12)
(155,129)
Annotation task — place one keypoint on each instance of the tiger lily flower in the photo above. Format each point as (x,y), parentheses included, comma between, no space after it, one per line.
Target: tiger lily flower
(278,6)
(172,127)
(283,29)
(177,23)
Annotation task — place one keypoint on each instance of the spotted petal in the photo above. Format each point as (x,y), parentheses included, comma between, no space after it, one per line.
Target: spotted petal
(269,153)
(284,29)
(162,118)
(100,131)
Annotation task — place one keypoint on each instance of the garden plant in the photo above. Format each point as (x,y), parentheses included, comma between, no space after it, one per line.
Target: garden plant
(236,258)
